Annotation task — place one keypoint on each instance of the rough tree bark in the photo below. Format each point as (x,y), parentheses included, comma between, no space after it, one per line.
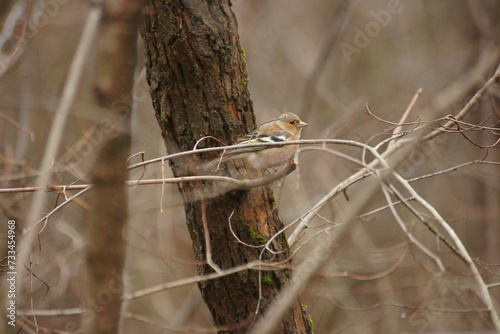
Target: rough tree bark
(196,72)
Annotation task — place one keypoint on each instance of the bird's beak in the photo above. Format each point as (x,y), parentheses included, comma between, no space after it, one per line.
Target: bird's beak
(302,124)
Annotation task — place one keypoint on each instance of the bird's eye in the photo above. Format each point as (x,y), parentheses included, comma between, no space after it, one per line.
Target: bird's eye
(292,122)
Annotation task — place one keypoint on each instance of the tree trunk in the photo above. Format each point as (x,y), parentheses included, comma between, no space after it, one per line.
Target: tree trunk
(116,60)
(196,72)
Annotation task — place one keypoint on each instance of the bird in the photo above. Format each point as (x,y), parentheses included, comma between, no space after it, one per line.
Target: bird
(285,128)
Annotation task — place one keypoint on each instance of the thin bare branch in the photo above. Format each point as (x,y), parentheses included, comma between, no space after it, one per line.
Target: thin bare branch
(398,129)
(19,126)
(52,312)
(460,248)
(402,225)
(453,169)
(21,39)
(55,134)
(208,245)
(236,236)
(255,265)
(403,306)
(470,104)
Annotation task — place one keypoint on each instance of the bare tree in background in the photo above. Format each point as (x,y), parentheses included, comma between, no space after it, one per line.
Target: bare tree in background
(107,219)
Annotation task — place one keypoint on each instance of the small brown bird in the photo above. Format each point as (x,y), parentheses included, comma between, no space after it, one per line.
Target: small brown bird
(285,128)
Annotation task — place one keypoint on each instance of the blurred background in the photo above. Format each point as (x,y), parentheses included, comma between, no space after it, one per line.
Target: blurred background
(324,60)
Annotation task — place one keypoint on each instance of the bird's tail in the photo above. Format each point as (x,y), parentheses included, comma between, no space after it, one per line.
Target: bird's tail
(214,162)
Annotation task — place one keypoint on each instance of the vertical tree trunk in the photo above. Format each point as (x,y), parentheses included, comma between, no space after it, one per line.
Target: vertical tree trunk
(106,247)
(196,72)
(116,61)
